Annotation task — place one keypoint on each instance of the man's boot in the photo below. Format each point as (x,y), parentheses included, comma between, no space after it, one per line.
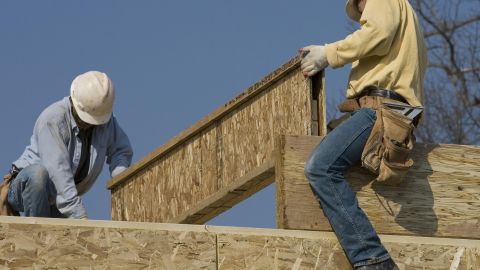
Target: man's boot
(385,265)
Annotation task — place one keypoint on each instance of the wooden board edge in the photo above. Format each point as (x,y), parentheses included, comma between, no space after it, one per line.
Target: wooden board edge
(317,90)
(229,196)
(5,220)
(280,181)
(322,107)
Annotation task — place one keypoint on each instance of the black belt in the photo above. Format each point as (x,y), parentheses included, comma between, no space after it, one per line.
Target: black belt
(377,92)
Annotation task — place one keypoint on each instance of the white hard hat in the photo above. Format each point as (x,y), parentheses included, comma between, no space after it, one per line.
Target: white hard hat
(352,11)
(93,96)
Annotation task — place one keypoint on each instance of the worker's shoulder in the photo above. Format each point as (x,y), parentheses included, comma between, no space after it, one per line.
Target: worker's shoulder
(55,113)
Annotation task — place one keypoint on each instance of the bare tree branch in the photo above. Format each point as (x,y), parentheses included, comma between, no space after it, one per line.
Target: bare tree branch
(452,83)
(452,28)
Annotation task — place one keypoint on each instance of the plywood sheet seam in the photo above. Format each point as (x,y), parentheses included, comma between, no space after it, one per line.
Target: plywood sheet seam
(55,243)
(223,230)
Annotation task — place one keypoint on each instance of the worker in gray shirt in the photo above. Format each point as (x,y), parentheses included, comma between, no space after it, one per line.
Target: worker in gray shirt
(71,141)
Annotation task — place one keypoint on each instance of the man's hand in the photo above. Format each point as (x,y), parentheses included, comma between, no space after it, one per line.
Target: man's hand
(7,177)
(314,60)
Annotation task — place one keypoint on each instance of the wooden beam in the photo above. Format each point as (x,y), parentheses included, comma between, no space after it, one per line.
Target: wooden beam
(229,196)
(215,155)
(207,121)
(32,243)
(440,197)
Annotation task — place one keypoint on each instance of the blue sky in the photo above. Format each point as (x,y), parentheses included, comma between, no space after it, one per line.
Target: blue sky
(172,62)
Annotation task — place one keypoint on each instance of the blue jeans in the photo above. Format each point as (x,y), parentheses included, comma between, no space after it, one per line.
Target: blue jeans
(31,192)
(338,151)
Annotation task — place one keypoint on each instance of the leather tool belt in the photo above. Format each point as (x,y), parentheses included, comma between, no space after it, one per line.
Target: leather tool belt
(388,148)
(371,98)
(379,92)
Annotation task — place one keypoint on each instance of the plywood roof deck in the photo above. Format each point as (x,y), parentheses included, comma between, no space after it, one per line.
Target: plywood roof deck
(65,243)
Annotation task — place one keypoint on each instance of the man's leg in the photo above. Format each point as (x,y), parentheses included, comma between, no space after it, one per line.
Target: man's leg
(339,150)
(29,191)
(55,213)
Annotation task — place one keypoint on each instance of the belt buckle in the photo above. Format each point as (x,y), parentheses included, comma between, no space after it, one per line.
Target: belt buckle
(388,94)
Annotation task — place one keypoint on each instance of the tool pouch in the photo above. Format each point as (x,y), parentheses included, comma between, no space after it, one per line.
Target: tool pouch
(374,148)
(372,102)
(349,105)
(387,151)
(5,209)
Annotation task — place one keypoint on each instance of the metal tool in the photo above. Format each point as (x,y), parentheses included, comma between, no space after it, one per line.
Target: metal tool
(407,110)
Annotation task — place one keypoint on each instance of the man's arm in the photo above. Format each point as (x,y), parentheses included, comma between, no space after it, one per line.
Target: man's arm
(54,156)
(379,23)
(119,151)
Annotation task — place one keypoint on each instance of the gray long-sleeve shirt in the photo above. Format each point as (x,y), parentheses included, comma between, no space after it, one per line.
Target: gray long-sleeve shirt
(55,144)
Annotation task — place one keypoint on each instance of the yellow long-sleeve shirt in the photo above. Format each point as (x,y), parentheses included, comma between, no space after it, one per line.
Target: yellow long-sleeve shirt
(388,51)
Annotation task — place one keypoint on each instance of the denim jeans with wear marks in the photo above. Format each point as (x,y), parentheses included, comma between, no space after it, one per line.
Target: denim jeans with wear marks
(31,192)
(338,151)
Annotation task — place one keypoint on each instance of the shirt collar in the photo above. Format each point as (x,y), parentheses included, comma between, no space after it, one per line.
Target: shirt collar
(70,115)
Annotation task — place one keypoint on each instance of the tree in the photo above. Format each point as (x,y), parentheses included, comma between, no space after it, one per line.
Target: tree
(452,82)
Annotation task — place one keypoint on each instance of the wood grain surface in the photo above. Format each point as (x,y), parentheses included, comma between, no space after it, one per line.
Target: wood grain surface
(441,196)
(36,243)
(219,151)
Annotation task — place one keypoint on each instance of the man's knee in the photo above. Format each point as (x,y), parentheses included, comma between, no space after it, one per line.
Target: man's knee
(315,168)
(309,168)
(37,177)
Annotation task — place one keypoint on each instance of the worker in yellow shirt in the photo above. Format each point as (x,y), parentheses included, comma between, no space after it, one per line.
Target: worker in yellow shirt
(388,58)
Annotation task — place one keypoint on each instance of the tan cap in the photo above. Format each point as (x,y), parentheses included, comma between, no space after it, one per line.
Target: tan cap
(352,11)
(93,96)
